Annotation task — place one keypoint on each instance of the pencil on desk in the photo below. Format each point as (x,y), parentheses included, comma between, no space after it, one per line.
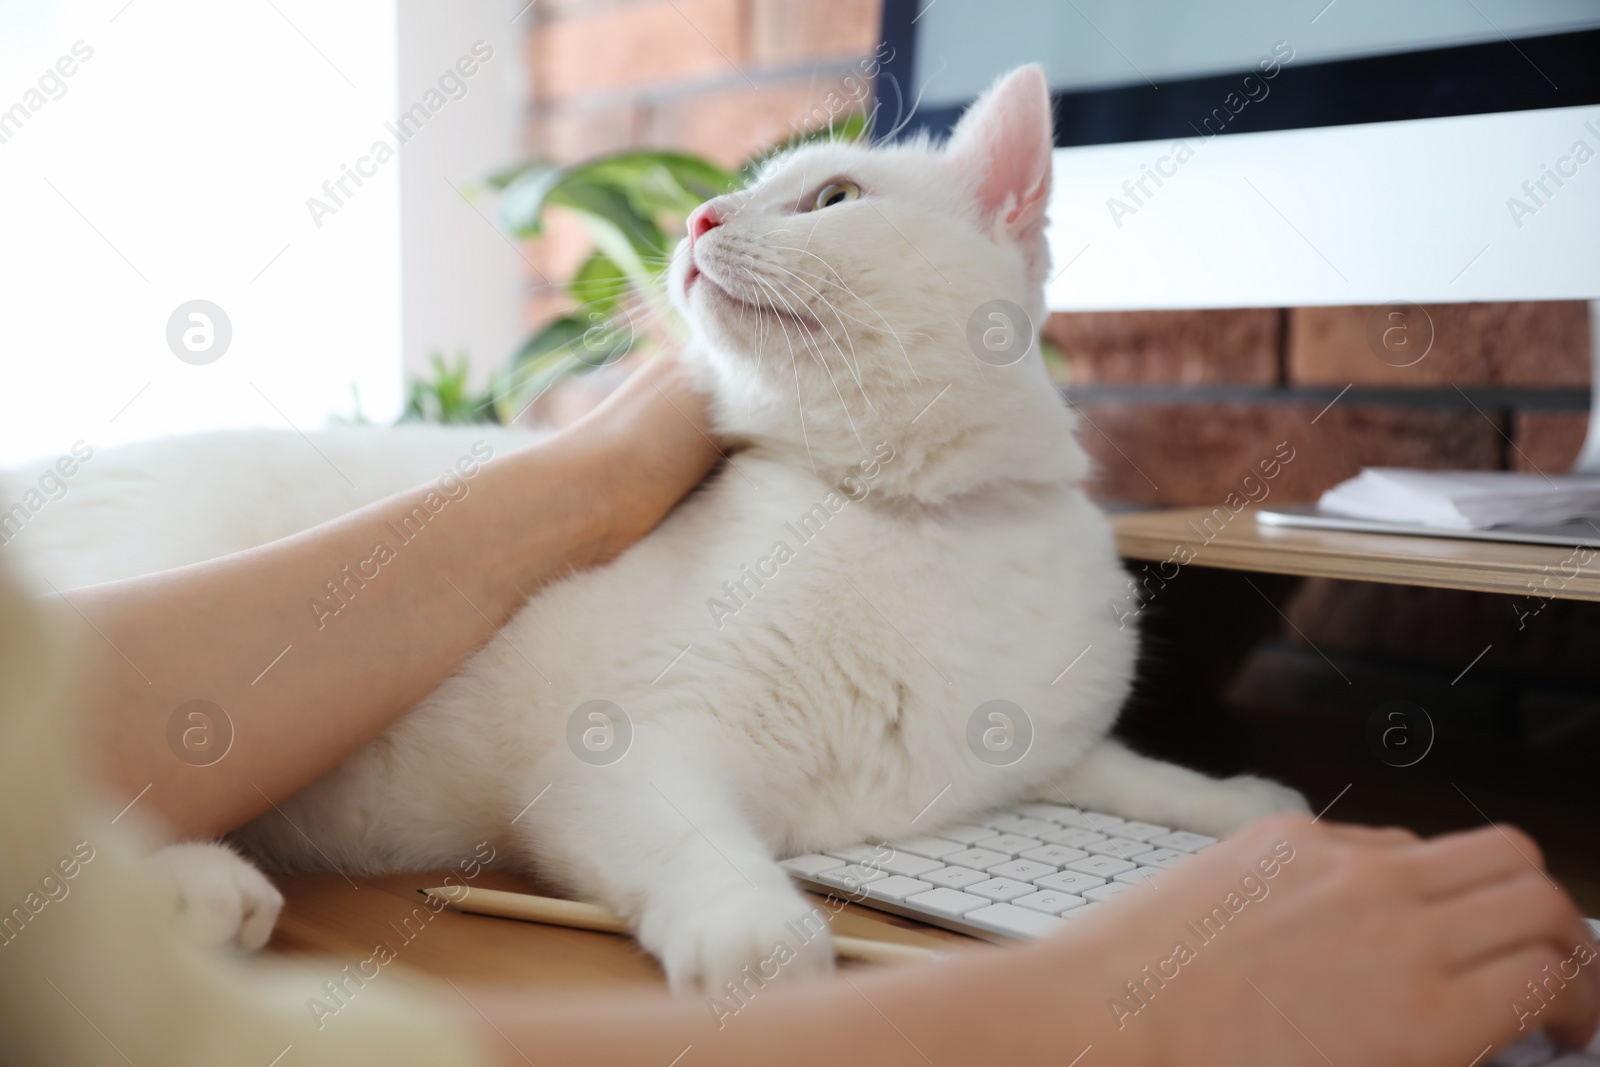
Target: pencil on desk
(581,916)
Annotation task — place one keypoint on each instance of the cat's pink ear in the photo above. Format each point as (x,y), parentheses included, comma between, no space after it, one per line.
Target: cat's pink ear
(1004,142)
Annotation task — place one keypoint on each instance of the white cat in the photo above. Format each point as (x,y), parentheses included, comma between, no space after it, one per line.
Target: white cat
(800,648)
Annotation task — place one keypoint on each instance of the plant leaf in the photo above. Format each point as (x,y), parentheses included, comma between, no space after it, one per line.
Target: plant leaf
(599,284)
(599,201)
(446,397)
(565,346)
(523,198)
(658,182)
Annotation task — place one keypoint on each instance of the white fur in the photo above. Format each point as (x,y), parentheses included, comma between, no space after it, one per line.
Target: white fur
(221,899)
(832,706)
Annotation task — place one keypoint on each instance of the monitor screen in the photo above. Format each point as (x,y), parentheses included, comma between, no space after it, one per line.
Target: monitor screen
(1136,70)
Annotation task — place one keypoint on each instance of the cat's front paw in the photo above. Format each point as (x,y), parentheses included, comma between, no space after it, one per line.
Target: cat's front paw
(1240,800)
(218,897)
(749,939)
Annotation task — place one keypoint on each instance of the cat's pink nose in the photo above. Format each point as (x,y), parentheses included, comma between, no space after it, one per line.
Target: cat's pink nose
(704,219)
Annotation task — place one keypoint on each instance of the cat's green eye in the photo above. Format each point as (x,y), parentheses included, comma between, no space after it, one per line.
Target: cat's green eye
(836,193)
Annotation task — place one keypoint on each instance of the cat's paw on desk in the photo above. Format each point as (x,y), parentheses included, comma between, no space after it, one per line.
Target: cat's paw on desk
(218,897)
(747,938)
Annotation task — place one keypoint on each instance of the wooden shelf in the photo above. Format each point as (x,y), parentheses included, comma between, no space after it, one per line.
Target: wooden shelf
(1440,562)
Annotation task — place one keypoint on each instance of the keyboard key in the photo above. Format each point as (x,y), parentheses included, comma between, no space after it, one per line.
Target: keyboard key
(1162,857)
(1102,866)
(1182,841)
(1011,844)
(1022,824)
(1012,920)
(1098,821)
(810,866)
(1052,812)
(1054,855)
(1049,901)
(1070,882)
(949,903)
(1022,870)
(965,833)
(1001,889)
(1100,894)
(1138,876)
(1075,837)
(959,877)
(1141,831)
(897,887)
(1071,817)
(866,855)
(1090,908)
(979,859)
(1121,847)
(851,877)
(910,866)
(935,848)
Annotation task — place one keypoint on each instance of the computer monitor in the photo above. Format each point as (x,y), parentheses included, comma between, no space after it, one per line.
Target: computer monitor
(1263,153)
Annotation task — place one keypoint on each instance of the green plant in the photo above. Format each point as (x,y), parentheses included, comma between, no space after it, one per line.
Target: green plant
(447,398)
(633,205)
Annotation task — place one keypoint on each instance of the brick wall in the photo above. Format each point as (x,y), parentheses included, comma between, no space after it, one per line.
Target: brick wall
(1178,405)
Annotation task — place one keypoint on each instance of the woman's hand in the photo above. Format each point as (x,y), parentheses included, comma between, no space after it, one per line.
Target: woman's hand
(1309,944)
(648,444)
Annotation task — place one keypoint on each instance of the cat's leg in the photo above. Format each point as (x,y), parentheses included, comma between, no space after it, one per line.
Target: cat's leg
(1114,779)
(218,897)
(659,838)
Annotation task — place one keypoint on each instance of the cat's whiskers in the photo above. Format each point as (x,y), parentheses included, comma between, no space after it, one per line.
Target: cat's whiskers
(840,311)
(772,286)
(805,311)
(799,400)
(870,123)
(889,329)
(761,348)
(854,368)
(837,282)
(822,356)
(762,283)
(761,344)
(915,104)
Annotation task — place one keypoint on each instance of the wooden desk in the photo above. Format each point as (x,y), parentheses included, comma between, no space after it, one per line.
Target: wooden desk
(1442,562)
(324,916)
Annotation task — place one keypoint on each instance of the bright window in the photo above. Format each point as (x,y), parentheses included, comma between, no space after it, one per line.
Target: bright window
(157,152)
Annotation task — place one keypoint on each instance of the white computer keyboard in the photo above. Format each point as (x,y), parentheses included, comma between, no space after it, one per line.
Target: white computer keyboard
(1020,874)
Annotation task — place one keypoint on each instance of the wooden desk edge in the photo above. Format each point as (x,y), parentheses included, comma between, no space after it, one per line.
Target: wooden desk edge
(1154,536)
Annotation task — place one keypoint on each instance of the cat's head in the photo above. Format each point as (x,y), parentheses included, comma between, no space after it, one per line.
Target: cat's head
(855,295)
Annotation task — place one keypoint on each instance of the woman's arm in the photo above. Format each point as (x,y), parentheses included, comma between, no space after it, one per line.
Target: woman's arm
(207,631)
(1301,945)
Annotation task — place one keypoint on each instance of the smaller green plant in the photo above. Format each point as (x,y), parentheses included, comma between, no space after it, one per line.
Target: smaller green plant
(447,397)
